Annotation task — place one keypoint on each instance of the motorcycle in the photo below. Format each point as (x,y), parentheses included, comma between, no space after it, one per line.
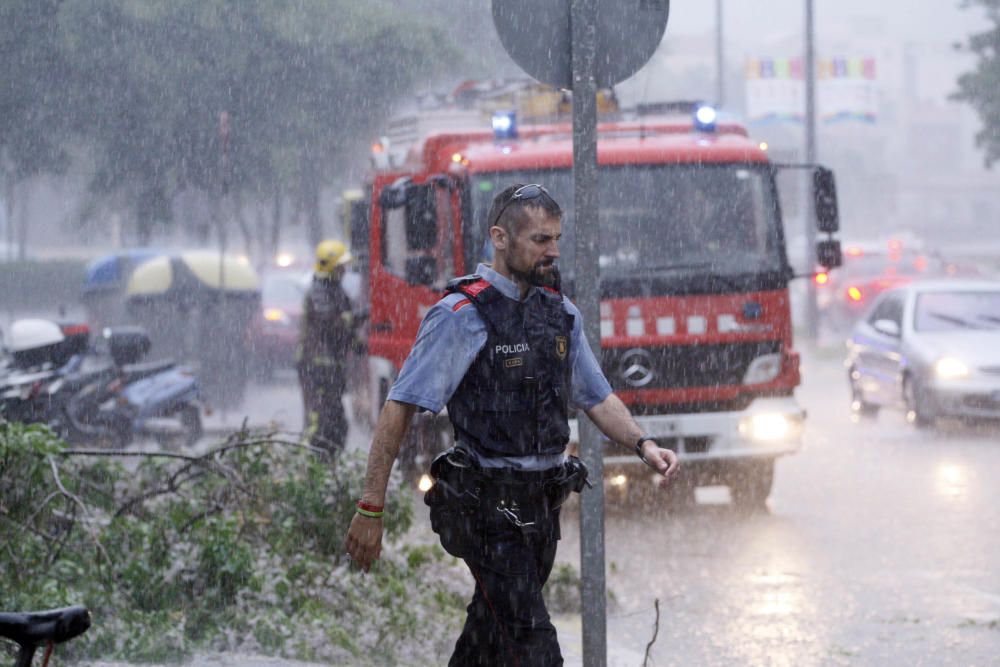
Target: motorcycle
(157,399)
(52,376)
(41,355)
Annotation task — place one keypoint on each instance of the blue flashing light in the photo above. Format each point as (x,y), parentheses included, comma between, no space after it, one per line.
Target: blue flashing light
(504,125)
(704,118)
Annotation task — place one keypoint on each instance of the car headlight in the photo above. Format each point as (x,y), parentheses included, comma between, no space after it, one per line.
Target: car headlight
(276,316)
(763,369)
(950,368)
(770,427)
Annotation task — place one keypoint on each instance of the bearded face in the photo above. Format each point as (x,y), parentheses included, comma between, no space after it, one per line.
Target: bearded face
(532,253)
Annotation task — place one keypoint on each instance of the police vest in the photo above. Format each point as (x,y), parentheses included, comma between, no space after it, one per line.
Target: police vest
(514,399)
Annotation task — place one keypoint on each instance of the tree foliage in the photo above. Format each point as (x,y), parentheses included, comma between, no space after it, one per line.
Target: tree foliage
(981,87)
(142,85)
(33,73)
(236,549)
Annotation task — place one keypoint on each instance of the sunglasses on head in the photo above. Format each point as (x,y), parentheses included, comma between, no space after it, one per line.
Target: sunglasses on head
(522,194)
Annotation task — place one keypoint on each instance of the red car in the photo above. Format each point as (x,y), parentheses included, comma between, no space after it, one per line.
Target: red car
(274,334)
(869,269)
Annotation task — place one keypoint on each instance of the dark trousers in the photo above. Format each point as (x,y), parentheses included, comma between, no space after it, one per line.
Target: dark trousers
(507,623)
(322,394)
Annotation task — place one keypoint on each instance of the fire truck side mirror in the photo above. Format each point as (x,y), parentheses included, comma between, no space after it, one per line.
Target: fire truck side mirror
(421,270)
(825,198)
(828,254)
(421,217)
(394,196)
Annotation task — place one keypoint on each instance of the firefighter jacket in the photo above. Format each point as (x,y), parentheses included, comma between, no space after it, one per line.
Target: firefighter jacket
(514,399)
(328,331)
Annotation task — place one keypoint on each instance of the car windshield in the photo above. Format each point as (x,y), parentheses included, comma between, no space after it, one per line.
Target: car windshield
(719,219)
(952,311)
(282,291)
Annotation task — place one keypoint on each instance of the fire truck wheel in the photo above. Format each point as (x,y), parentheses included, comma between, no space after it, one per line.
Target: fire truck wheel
(751,484)
(679,494)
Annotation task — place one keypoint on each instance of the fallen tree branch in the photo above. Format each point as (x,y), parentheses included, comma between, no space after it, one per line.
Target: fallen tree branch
(81,505)
(656,631)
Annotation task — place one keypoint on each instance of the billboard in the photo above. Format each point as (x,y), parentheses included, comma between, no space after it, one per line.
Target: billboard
(846,90)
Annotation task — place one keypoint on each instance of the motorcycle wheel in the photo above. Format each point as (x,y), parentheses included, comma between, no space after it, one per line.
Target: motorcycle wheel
(190,418)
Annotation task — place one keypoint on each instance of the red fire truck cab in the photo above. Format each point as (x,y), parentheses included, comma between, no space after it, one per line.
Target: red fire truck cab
(696,332)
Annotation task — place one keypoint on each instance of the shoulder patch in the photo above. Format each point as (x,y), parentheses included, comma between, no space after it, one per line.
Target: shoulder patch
(455,284)
(454,301)
(473,289)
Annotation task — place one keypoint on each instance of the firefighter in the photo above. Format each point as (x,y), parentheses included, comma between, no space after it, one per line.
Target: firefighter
(505,351)
(328,334)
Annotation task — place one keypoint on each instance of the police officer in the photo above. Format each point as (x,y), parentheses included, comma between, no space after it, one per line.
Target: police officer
(328,333)
(506,352)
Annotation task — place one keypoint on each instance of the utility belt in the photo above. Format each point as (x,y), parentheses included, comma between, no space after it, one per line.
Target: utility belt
(465,496)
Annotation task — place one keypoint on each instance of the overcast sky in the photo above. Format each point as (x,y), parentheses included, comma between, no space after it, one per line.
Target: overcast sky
(747,21)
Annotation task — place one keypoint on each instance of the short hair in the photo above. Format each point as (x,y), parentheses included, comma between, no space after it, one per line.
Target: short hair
(509,213)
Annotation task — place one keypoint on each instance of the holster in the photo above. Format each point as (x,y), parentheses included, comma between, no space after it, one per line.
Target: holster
(463,493)
(454,501)
(572,479)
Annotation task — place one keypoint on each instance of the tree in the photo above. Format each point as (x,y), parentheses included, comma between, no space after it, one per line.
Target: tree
(981,87)
(32,118)
(296,80)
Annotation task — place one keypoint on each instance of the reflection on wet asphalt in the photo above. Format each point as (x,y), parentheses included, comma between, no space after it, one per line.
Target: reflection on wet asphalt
(880,547)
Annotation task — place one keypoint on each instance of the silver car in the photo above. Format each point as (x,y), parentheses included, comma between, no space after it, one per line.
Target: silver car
(931,349)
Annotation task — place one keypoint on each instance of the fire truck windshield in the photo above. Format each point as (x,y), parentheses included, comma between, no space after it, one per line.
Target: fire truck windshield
(698,219)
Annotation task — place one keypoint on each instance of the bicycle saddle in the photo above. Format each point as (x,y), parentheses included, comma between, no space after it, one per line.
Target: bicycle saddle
(37,627)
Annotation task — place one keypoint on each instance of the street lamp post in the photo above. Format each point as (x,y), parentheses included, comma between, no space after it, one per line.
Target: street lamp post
(812,314)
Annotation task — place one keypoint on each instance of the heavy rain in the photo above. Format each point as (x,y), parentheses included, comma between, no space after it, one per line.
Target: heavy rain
(797,273)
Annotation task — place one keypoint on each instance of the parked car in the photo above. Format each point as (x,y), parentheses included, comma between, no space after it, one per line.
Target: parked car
(869,269)
(931,349)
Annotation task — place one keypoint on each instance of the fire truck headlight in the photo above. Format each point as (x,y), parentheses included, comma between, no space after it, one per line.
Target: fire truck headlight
(425,483)
(763,369)
(769,427)
(618,480)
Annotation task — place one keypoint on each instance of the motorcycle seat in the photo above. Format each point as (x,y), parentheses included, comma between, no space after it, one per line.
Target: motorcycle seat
(133,372)
(57,625)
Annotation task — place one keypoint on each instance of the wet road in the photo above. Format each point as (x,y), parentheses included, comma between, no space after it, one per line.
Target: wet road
(880,546)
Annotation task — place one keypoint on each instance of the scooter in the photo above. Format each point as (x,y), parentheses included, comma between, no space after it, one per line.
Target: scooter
(41,356)
(158,399)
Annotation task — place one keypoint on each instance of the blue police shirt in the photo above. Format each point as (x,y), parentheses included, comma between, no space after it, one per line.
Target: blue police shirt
(451,337)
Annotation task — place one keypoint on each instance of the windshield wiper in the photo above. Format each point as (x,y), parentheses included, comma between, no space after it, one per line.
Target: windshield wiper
(989,318)
(678,267)
(729,281)
(954,320)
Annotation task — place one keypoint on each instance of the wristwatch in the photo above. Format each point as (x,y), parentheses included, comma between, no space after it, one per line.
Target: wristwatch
(638,447)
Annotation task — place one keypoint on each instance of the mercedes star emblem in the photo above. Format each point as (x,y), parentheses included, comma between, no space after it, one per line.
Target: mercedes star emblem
(636,367)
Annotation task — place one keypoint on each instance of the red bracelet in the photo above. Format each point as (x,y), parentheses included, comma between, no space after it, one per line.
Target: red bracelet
(370,508)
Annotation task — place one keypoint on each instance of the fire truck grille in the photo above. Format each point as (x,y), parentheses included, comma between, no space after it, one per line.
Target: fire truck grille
(682,365)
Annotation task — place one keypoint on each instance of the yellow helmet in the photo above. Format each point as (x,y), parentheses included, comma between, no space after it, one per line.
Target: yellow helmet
(329,255)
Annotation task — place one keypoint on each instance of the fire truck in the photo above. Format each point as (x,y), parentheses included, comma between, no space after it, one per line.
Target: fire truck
(696,331)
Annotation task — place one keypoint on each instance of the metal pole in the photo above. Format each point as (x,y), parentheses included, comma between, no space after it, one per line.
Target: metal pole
(812,313)
(223,193)
(583,19)
(720,84)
